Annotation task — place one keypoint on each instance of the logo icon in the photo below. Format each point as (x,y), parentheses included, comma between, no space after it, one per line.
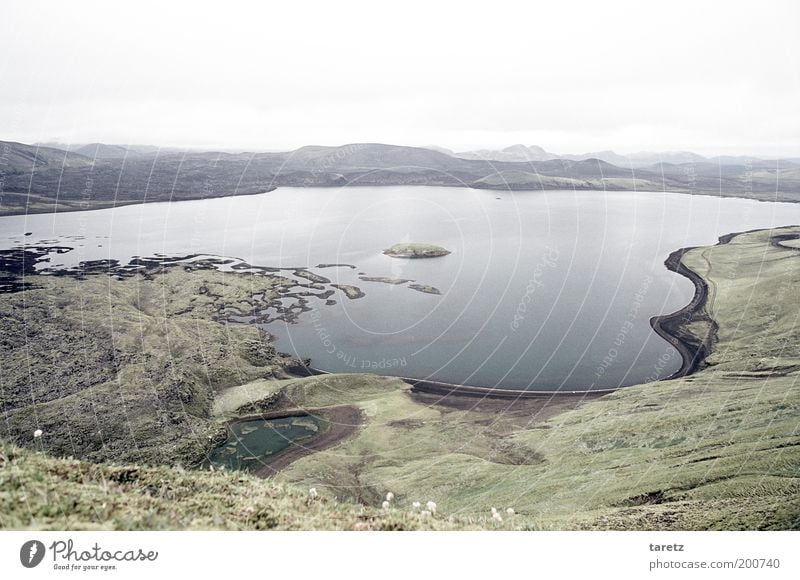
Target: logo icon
(31,553)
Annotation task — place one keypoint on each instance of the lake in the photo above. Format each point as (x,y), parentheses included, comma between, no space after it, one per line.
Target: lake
(544,290)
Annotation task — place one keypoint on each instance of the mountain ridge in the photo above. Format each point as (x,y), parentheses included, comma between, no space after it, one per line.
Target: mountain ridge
(37,179)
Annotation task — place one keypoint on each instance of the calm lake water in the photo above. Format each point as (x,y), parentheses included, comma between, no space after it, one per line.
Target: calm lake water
(543,290)
(249,442)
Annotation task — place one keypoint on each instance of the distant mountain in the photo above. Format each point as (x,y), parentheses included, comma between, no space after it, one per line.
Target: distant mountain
(103,151)
(367,156)
(36,179)
(513,154)
(675,157)
(444,150)
(20,158)
(523,153)
(645,159)
(642,159)
(607,156)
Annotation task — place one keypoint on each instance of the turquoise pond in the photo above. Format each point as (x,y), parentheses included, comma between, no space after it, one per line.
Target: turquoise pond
(250,442)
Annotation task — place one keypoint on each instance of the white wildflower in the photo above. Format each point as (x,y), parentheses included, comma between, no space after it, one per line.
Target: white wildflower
(498,518)
(312,493)
(510,511)
(431,505)
(416,505)
(494,511)
(386,505)
(38,433)
(389,496)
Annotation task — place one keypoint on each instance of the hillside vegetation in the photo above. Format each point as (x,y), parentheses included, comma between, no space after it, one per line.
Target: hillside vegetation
(41,179)
(719,449)
(716,450)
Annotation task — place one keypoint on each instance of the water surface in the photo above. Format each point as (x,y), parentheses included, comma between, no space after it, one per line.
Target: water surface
(250,442)
(543,290)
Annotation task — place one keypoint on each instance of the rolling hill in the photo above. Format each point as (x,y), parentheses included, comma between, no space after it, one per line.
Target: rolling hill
(43,179)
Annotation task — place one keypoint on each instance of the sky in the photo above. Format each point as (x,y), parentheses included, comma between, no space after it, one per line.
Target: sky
(712,77)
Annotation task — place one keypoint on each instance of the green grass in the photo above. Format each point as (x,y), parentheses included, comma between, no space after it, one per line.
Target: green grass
(127,370)
(38,491)
(717,450)
(416,250)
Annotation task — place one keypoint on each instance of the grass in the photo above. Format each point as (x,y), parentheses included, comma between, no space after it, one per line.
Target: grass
(416,250)
(717,450)
(126,370)
(38,491)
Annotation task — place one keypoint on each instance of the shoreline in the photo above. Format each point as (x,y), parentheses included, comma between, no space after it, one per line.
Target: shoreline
(69,206)
(55,206)
(672,327)
(454,390)
(343,422)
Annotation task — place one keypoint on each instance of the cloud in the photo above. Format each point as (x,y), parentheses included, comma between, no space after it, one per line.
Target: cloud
(569,76)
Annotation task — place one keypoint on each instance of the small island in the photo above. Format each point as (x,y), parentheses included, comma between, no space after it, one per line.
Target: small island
(413,251)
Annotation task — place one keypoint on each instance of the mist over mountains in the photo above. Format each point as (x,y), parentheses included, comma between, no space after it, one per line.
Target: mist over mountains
(522,153)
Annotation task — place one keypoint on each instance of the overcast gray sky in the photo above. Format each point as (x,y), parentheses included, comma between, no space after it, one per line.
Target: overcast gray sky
(714,77)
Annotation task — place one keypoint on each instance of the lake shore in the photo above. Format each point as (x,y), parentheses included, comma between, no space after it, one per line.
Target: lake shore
(713,449)
(343,422)
(674,327)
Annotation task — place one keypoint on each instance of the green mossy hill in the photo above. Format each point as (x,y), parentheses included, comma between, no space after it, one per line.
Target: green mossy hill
(41,492)
(127,370)
(416,251)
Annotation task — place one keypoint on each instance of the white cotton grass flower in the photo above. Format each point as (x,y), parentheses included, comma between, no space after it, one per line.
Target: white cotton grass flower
(494,511)
(431,505)
(510,511)
(389,496)
(416,505)
(497,517)
(37,434)
(312,493)
(386,505)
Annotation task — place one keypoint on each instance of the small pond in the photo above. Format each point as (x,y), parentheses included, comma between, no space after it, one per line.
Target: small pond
(250,441)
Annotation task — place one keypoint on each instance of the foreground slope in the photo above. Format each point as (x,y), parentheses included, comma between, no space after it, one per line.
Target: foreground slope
(41,492)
